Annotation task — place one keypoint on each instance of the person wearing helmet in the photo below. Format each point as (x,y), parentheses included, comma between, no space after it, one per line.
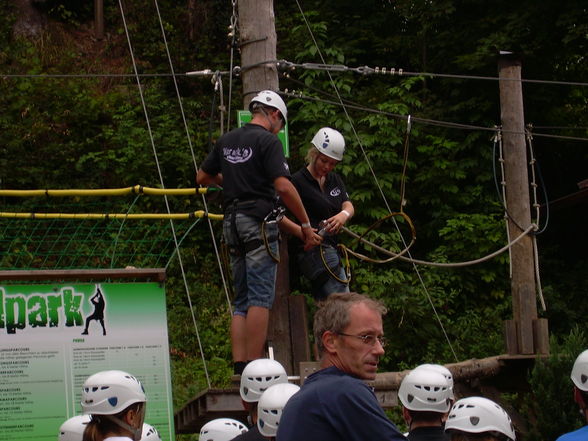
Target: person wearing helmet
(150,433)
(579,377)
(73,428)
(257,377)
(327,203)
(250,165)
(221,429)
(271,405)
(335,403)
(116,402)
(443,371)
(480,419)
(425,397)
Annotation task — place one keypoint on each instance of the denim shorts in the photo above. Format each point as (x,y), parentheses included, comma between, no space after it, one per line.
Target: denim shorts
(312,267)
(254,273)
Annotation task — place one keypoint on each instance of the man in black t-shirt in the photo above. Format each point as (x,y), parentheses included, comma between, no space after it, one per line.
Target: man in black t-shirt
(248,162)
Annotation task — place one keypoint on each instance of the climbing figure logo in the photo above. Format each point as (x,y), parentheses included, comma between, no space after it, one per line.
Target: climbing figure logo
(98,315)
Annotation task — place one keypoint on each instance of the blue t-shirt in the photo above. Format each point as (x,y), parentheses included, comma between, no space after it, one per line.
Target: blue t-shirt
(335,406)
(577,435)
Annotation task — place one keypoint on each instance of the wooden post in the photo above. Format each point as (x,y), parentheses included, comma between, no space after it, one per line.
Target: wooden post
(517,200)
(99,19)
(258,44)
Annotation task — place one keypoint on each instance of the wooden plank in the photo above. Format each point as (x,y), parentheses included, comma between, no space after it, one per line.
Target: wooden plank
(541,336)
(156,274)
(510,337)
(299,331)
(208,405)
(279,325)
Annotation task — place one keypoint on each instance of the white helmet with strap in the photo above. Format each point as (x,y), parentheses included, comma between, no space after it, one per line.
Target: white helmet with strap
(73,428)
(478,415)
(271,99)
(258,375)
(329,142)
(221,429)
(150,433)
(580,371)
(270,406)
(444,371)
(111,392)
(108,393)
(425,390)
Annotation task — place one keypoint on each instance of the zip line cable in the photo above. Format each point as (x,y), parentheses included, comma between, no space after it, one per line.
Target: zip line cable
(344,108)
(138,80)
(376,180)
(189,139)
(362,70)
(424,121)
(207,72)
(212,235)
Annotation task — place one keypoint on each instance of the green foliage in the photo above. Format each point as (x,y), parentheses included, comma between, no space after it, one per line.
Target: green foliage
(550,407)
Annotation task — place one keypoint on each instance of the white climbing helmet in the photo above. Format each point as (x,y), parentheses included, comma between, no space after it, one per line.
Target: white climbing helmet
(477,415)
(271,99)
(329,142)
(580,371)
(111,392)
(258,375)
(150,433)
(270,406)
(425,390)
(221,429)
(442,370)
(73,428)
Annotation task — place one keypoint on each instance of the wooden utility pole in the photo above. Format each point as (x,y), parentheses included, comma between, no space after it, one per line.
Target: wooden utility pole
(287,336)
(99,19)
(257,41)
(529,331)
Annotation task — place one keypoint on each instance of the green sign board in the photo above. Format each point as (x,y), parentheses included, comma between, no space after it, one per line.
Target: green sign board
(244,116)
(53,337)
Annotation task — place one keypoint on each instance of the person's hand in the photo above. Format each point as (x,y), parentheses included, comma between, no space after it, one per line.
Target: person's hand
(311,239)
(335,223)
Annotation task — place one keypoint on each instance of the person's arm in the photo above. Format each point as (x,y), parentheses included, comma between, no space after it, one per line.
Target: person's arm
(287,192)
(335,223)
(291,227)
(206,179)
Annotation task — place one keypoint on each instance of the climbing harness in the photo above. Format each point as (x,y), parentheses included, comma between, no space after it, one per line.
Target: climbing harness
(346,265)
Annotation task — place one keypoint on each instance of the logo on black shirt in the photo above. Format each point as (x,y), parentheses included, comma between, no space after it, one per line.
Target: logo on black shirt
(237,155)
(335,192)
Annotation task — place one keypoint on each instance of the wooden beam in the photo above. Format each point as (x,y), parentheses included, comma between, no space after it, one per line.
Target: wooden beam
(155,274)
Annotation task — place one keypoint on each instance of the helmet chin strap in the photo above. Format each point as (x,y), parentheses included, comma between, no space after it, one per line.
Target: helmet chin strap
(269,120)
(136,432)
